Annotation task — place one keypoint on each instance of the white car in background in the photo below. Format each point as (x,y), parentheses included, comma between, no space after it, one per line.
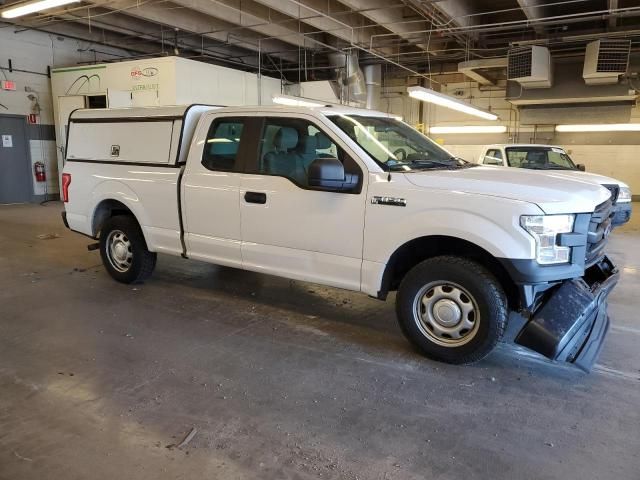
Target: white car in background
(552,157)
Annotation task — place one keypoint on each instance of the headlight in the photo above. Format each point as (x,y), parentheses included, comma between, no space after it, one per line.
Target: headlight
(624,196)
(545,229)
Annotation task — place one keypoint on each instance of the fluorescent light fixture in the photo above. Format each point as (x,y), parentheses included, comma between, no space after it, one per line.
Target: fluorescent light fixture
(431,96)
(27,8)
(603,127)
(470,129)
(295,101)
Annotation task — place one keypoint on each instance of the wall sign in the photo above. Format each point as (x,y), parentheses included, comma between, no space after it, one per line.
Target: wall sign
(7,141)
(8,85)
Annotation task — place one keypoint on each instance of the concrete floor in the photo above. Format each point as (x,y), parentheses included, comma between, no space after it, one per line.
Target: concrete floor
(281,379)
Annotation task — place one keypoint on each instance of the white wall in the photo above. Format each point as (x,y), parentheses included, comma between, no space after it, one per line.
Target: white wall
(216,85)
(34,51)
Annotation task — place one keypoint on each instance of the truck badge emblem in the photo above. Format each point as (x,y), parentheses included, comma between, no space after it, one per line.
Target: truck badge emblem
(115,150)
(394,201)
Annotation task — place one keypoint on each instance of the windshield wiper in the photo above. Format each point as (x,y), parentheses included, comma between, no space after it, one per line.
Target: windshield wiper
(550,167)
(432,162)
(459,159)
(448,164)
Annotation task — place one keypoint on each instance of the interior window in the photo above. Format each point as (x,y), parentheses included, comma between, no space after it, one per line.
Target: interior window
(221,147)
(288,146)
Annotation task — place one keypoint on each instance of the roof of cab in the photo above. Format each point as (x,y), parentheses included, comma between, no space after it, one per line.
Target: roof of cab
(181,110)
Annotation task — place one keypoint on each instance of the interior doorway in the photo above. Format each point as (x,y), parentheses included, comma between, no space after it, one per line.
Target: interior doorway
(16,179)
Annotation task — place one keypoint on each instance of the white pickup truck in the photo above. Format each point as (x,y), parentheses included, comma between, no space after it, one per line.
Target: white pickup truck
(555,159)
(318,194)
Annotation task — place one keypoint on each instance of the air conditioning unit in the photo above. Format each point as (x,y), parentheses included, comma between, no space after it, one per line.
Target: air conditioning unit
(605,60)
(530,66)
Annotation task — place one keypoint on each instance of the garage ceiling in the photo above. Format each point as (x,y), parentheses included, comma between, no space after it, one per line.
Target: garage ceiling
(291,38)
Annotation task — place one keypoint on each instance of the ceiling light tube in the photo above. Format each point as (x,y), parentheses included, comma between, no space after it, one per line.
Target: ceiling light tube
(469,129)
(603,127)
(27,8)
(431,96)
(292,101)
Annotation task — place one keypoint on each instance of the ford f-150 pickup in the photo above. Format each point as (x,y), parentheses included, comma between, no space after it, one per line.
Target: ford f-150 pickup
(325,195)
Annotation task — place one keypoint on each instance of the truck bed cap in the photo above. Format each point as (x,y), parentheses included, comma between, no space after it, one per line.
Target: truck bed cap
(134,112)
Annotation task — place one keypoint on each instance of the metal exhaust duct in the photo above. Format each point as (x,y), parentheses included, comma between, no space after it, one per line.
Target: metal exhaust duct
(373,80)
(349,85)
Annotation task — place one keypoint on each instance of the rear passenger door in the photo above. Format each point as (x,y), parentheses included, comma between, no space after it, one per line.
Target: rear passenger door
(210,191)
(289,228)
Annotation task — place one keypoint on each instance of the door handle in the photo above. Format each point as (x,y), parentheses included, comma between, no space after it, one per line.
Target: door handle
(255,197)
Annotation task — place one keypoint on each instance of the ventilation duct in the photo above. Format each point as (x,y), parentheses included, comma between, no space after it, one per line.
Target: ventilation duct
(605,60)
(373,80)
(530,66)
(349,85)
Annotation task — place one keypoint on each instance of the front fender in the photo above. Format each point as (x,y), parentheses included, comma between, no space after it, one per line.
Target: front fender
(502,237)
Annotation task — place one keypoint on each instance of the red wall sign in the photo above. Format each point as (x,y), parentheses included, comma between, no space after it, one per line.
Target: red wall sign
(8,85)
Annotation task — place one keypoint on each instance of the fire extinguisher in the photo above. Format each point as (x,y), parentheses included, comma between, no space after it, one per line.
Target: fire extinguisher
(38,169)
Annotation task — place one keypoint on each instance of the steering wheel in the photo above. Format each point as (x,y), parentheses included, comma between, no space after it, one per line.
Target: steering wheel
(400,154)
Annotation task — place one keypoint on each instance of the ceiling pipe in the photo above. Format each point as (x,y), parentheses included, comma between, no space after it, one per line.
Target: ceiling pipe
(570,18)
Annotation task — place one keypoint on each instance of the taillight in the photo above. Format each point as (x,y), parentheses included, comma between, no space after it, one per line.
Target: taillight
(66,181)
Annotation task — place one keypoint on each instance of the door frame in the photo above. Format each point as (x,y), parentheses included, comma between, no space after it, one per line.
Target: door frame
(27,146)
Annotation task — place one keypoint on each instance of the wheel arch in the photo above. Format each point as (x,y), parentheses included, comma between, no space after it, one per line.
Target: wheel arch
(408,255)
(107,208)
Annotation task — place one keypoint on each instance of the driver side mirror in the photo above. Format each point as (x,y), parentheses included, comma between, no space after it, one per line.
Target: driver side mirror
(329,174)
(581,167)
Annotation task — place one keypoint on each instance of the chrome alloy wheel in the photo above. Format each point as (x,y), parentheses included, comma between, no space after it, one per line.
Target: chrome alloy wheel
(119,251)
(446,313)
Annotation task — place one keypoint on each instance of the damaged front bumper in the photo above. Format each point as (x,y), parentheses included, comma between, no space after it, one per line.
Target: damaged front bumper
(571,324)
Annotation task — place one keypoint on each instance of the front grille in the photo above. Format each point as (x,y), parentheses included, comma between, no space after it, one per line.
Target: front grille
(598,233)
(615,190)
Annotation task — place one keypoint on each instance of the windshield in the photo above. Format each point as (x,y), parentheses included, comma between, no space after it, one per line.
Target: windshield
(396,146)
(539,158)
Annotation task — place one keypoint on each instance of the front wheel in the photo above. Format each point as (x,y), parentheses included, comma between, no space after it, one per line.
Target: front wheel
(124,251)
(452,309)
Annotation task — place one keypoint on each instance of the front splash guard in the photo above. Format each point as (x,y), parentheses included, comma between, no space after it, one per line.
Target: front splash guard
(573,322)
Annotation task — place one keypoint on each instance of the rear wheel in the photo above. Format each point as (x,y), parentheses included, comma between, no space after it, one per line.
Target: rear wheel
(124,251)
(452,309)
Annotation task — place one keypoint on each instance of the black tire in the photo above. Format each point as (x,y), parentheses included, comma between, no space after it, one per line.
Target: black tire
(141,263)
(476,285)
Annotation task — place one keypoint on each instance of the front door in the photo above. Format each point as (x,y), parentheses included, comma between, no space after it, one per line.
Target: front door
(290,228)
(16,185)
(210,191)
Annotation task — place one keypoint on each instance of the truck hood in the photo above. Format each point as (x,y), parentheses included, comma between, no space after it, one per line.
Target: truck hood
(592,177)
(552,192)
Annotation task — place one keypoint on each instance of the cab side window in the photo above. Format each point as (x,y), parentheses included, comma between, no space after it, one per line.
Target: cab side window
(221,146)
(493,157)
(288,146)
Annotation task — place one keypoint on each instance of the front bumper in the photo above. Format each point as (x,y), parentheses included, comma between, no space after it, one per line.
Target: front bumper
(571,325)
(621,214)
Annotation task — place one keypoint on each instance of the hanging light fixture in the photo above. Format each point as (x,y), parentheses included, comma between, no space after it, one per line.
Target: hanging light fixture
(469,129)
(437,98)
(27,8)
(292,101)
